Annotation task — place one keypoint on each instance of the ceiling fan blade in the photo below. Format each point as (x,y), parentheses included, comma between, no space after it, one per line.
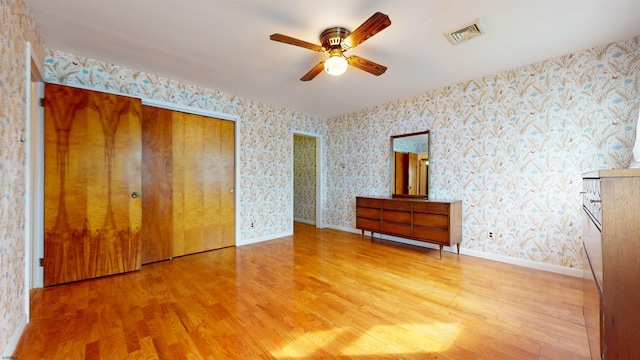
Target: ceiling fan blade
(376,23)
(367,65)
(313,72)
(293,41)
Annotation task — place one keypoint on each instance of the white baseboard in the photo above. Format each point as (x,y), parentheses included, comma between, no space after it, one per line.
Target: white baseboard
(304,221)
(263,238)
(343,228)
(479,254)
(8,351)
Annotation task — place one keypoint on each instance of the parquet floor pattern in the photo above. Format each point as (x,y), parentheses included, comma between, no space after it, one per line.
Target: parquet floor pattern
(320,294)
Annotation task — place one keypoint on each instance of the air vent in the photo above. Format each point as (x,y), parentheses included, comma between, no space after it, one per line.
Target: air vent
(465,32)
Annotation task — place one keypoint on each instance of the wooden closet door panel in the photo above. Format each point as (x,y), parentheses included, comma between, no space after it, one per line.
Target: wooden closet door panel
(92,165)
(193,161)
(203,177)
(157,179)
(213,193)
(188,185)
(220,182)
(185,171)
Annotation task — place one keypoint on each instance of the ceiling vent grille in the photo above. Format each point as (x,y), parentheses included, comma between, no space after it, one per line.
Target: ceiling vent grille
(465,32)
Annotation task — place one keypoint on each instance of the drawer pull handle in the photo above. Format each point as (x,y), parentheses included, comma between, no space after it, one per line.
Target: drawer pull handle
(595,201)
(583,192)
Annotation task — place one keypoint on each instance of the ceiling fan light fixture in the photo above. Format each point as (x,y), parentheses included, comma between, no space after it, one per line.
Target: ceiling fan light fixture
(336,64)
(336,40)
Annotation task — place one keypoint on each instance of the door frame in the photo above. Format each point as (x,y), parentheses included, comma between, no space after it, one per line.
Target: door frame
(236,150)
(319,183)
(33,136)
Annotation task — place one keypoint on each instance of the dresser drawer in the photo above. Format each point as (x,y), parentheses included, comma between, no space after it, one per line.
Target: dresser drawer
(368,224)
(368,202)
(431,234)
(403,217)
(592,240)
(391,228)
(431,208)
(431,220)
(369,213)
(592,200)
(396,205)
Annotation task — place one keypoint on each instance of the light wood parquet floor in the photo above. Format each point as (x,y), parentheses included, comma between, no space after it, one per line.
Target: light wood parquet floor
(320,294)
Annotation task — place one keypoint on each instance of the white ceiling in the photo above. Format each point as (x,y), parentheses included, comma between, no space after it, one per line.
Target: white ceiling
(224,44)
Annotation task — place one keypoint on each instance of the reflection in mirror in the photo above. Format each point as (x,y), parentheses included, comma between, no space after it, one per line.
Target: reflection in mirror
(410,165)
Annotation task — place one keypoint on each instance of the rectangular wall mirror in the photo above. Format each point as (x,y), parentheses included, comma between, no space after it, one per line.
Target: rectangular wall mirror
(410,165)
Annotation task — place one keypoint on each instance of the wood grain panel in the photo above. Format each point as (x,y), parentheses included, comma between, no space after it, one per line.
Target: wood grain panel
(157,179)
(92,165)
(203,183)
(225,171)
(431,234)
(431,208)
(403,217)
(187,192)
(368,213)
(396,205)
(368,224)
(367,202)
(431,220)
(620,265)
(396,229)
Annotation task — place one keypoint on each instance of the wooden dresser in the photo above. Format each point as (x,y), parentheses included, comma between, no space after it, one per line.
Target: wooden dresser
(437,222)
(611,262)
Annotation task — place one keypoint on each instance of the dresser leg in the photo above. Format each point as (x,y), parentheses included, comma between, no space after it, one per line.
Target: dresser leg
(458,245)
(441,252)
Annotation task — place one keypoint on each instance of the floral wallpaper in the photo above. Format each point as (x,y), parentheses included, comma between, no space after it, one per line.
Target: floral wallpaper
(304,178)
(511,146)
(266,141)
(16,28)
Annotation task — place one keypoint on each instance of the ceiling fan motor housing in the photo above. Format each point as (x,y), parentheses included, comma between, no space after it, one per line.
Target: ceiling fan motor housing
(332,38)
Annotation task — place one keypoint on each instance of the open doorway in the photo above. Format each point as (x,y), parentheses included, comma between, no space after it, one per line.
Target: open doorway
(307,178)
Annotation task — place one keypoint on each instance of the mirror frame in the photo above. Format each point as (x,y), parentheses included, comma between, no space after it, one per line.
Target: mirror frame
(392,162)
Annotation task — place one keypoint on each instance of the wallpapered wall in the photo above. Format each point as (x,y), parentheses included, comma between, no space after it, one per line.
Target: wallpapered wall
(266,140)
(511,146)
(304,178)
(16,27)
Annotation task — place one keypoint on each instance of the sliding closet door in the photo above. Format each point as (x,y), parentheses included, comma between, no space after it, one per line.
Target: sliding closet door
(203,183)
(188,183)
(92,179)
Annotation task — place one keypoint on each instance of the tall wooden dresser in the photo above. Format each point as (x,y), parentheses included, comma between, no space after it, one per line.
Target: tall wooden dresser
(437,222)
(611,264)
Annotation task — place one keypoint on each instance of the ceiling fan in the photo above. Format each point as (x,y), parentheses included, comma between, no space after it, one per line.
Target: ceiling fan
(336,41)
